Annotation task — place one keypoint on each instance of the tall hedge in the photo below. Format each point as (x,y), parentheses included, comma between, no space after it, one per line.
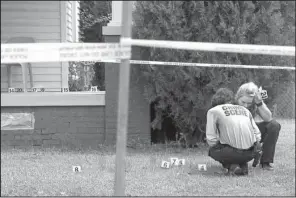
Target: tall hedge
(183,93)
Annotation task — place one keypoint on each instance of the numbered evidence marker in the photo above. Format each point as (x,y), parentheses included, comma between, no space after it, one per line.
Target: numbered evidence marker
(64,89)
(18,90)
(202,167)
(181,162)
(93,89)
(11,90)
(174,161)
(35,89)
(76,169)
(165,164)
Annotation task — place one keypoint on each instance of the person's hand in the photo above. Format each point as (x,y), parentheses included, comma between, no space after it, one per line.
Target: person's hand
(216,145)
(258,146)
(258,97)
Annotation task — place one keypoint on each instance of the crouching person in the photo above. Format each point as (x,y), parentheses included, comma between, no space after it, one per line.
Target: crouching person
(231,133)
(248,95)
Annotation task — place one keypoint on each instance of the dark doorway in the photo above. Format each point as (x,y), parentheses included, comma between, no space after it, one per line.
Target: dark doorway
(168,130)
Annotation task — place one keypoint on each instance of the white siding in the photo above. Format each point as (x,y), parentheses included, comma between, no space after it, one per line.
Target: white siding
(30,18)
(41,20)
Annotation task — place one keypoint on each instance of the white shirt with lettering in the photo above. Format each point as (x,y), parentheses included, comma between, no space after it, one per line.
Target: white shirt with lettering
(233,125)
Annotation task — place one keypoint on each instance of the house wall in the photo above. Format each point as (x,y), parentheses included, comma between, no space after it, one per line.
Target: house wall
(81,126)
(40,20)
(45,21)
(69,127)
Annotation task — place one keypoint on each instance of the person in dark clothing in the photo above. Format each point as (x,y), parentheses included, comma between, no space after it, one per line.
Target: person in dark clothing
(249,96)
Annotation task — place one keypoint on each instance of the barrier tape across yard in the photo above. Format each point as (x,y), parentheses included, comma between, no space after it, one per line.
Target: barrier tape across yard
(183,64)
(61,52)
(213,47)
(113,52)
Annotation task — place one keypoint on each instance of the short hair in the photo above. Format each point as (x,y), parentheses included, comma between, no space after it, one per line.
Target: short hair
(222,96)
(248,89)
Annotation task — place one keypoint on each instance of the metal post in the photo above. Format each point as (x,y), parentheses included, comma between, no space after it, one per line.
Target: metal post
(123,102)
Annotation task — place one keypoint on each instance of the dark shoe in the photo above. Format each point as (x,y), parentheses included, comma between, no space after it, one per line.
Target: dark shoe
(244,167)
(235,170)
(226,166)
(266,166)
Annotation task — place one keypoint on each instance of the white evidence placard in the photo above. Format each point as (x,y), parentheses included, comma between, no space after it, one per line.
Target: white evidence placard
(165,164)
(174,161)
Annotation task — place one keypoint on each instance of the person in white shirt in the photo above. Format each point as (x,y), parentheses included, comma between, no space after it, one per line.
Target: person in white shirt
(231,133)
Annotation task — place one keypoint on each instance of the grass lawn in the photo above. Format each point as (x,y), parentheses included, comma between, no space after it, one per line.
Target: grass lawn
(49,173)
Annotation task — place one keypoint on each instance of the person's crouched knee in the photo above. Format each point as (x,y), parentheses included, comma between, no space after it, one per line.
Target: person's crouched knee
(211,150)
(273,127)
(214,151)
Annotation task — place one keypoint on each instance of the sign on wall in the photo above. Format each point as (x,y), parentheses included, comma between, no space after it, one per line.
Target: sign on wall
(17,121)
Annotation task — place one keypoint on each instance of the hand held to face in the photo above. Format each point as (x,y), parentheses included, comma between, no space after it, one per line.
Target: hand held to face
(257,98)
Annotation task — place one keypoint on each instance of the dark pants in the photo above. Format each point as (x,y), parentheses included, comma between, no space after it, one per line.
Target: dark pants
(269,136)
(228,155)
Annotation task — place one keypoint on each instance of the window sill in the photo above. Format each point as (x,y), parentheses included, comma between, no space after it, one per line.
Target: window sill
(53,99)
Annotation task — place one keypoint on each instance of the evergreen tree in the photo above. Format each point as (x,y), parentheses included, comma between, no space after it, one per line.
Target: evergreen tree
(183,93)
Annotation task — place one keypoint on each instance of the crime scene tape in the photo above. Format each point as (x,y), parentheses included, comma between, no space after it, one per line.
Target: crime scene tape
(196,64)
(214,47)
(60,52)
